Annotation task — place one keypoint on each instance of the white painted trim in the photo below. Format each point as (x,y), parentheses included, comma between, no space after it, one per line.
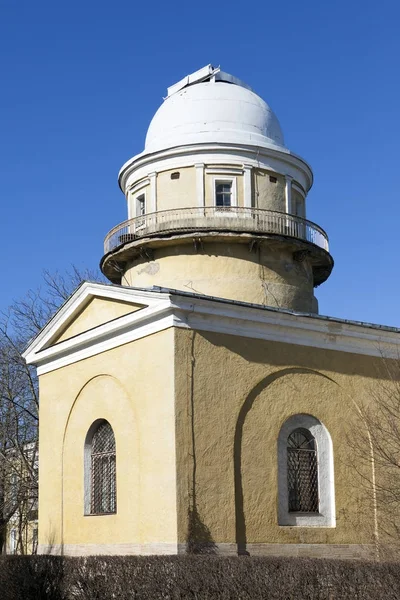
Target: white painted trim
(272,159)
(247,199)
(228,171)
(326,485)
(153,192)
(139,185)
(79,299)
(288,194)
(169,309)
(133,202)
(98,340)
(298,188)
(223,179)
(292,328)
(200,184)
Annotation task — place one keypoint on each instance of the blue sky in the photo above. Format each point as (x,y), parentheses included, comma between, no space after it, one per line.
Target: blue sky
(80,82)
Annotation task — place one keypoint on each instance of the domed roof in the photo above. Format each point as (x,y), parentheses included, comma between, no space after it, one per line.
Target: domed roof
(210,106)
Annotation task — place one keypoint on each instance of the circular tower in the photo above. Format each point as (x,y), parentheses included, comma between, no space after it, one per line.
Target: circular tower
(217,203)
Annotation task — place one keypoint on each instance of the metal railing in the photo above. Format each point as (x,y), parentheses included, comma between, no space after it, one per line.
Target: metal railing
(214,218)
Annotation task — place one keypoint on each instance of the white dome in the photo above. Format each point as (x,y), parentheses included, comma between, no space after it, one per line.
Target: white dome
(220,110)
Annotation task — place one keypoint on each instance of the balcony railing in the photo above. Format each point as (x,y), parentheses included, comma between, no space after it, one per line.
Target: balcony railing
(213,218)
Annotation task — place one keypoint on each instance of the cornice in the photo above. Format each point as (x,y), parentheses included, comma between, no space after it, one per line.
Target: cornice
(167,309)
(283,155)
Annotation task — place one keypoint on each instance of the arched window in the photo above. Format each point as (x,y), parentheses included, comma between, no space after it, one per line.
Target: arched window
(302,472)
(306,493)
(100,475)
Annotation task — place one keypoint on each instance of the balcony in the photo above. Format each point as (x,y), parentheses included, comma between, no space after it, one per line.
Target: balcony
(212,218)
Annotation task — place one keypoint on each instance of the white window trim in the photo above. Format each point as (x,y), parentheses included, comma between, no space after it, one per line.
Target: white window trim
(137,196)
(135,187)
(326,488)
(231,180)
(133,192)
(134,212)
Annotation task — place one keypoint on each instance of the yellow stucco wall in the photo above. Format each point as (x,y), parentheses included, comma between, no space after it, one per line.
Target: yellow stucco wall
(176,193)
(97,312)
(232,396)
(133,388)
(196,418)
(269,195)
(268,275)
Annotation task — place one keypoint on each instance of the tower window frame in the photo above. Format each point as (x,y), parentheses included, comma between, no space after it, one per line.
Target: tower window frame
(325,515)
(219,195)
(298,200)
(140,204)
(140,210)
(100,474)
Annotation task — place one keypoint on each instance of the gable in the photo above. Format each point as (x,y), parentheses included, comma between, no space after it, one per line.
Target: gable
(97,311)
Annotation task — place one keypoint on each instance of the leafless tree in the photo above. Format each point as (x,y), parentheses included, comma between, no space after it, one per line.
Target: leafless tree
(376,454)
(19,400)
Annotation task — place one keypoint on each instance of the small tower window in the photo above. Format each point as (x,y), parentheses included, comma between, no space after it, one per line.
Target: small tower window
(223,194)
(273,179)
(175,175)
(141,205)
(302,472)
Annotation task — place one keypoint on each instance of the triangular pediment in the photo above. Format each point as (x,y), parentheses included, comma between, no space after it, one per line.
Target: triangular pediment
(97,311)
(92,313)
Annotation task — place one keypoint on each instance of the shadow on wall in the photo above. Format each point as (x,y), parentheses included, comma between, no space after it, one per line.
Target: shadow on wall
(241,537)
(199,539)
(280,354)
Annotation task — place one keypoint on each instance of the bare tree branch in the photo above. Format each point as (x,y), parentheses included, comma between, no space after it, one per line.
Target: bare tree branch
(19,400)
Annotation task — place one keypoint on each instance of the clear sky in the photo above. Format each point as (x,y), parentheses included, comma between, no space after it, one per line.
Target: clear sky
(81,80)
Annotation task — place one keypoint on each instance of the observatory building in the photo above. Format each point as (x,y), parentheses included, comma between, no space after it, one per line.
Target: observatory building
(198,402)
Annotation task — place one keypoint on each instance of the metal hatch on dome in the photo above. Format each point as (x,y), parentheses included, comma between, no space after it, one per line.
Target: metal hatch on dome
(207,73)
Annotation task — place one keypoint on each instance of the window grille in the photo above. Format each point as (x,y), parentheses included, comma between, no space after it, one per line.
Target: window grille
(302,472)
(223,194)
(103,473)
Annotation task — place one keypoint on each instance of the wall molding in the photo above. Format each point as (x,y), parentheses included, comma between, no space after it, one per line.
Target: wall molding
(163,309)
(269,158)
(341,551)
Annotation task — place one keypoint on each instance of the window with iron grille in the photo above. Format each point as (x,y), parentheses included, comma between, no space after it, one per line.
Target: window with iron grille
(103,497)
(302,472)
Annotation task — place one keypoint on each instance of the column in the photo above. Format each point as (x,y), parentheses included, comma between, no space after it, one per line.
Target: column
(200,184)
(247,200)
(288,194)
(153,193)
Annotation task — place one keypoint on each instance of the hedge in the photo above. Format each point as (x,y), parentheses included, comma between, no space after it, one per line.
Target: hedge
(195,577)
